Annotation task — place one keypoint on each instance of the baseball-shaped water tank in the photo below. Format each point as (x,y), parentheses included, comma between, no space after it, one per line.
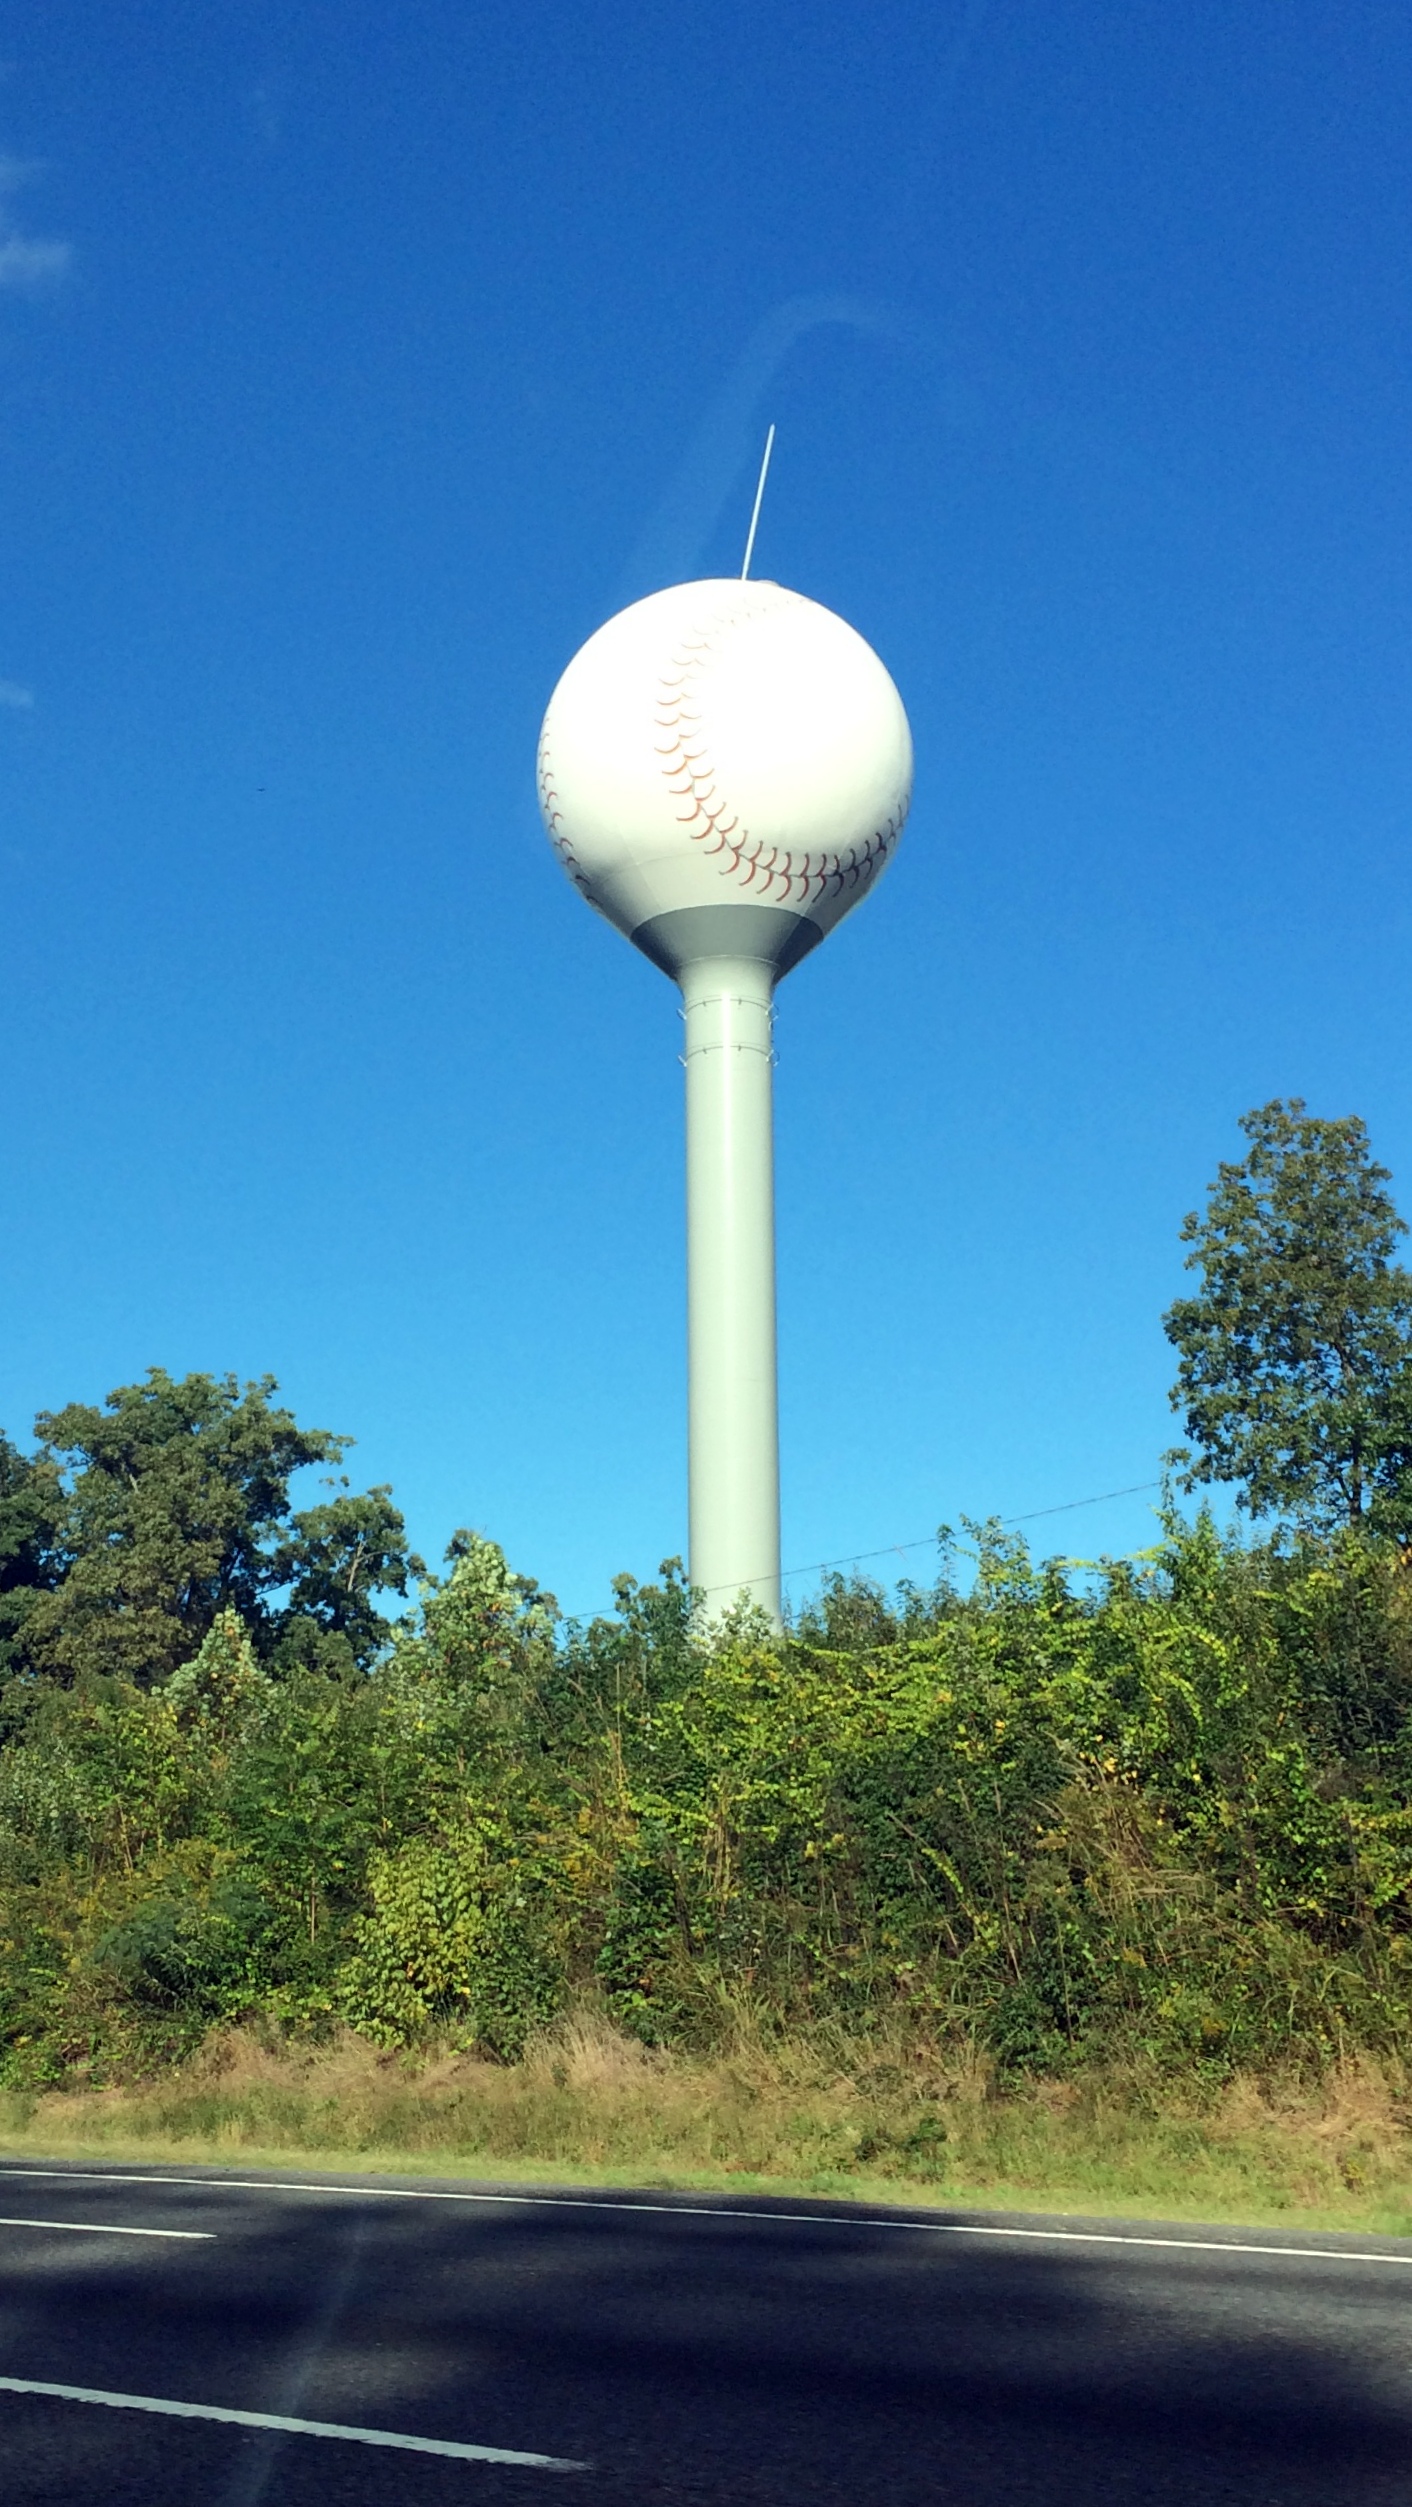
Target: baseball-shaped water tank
(724,770)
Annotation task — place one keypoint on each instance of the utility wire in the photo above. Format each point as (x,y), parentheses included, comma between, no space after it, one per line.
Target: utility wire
(894,1549)
(860,1558)
(1036,1514)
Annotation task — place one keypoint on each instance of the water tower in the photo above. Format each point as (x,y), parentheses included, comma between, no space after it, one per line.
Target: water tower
(724,770)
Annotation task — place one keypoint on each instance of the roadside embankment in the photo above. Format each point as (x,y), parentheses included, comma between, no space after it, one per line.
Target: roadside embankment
(587,2104)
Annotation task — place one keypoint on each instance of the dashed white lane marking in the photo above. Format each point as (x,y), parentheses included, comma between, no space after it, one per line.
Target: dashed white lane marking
(714,2211)
(291,2428)
(109,2228)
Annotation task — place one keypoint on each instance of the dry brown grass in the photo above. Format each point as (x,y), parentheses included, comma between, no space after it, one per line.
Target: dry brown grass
(889,2122)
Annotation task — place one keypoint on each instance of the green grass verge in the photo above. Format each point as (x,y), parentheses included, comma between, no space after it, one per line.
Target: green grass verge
(588,2107)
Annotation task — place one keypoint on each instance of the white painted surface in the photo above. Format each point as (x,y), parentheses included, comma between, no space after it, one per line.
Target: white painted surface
(725,742)
(107,2228)
(276,2420)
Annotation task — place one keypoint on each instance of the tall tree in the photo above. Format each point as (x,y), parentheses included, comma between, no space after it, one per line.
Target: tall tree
(174,1506)
(31,1506)
(1295,1354)
(335,1560)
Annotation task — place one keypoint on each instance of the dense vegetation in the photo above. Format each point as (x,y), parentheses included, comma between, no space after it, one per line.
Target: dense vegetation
(1156,1812)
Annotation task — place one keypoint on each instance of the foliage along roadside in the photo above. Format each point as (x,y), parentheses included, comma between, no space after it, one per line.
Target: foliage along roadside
(1157,1814)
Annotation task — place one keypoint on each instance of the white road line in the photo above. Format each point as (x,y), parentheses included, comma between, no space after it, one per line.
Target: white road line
(292,2428)
(714,2211)
(106,2228)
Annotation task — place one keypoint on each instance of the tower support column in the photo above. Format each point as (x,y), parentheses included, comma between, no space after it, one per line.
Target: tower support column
(733,1398)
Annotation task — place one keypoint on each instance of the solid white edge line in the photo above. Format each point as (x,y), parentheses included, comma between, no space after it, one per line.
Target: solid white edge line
(710,2211)
(106,2228)
(291,2428)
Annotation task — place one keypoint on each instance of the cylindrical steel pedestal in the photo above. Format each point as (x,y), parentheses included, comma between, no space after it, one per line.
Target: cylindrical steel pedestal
(733,1435)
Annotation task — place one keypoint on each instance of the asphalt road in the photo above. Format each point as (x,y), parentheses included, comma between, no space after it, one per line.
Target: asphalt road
(661,2349)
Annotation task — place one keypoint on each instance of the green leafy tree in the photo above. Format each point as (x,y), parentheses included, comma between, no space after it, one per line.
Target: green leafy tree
(335,1561)
(31,1504)
(171,1506)
(1295,1354)
(482,1645)
(222,1689)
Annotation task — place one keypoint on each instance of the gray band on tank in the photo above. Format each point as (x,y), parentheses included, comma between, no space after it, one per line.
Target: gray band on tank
(771,933)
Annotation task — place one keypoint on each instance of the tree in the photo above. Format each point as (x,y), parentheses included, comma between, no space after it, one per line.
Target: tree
(173,1506)
(483,1636)
(337,1557)
(31,1502)
(1295,1371)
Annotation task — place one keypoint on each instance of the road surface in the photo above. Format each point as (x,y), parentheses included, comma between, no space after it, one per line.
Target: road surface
(183,2337)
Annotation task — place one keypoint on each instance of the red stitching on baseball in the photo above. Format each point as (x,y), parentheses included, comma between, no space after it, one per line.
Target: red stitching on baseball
(689,774)
(686,767)
(554,816)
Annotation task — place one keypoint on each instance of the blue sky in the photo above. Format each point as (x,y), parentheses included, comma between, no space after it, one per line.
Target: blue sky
(355,362)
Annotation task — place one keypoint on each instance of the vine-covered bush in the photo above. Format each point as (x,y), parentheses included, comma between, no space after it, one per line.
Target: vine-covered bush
(1156,1811)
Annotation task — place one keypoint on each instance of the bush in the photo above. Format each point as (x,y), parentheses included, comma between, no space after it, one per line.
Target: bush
(456,1942)
(1161,1811)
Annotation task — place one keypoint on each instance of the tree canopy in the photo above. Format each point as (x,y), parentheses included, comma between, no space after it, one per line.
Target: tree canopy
(1295,1354)
(136,1524)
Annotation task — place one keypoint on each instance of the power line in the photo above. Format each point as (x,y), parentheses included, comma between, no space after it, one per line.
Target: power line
(1035,1514)
(1071,1505)
(894,1549)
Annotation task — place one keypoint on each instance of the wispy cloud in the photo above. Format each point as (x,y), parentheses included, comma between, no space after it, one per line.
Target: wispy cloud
(31,261)
(268,103)
(12,694)
(725,447)
(26,261)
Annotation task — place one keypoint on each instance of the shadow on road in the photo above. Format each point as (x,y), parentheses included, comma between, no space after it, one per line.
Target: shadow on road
(701,2359)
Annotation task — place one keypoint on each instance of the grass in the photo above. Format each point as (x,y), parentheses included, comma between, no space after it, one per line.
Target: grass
(589,2106)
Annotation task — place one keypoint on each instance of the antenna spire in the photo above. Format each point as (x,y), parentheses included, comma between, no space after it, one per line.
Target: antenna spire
(759,501)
